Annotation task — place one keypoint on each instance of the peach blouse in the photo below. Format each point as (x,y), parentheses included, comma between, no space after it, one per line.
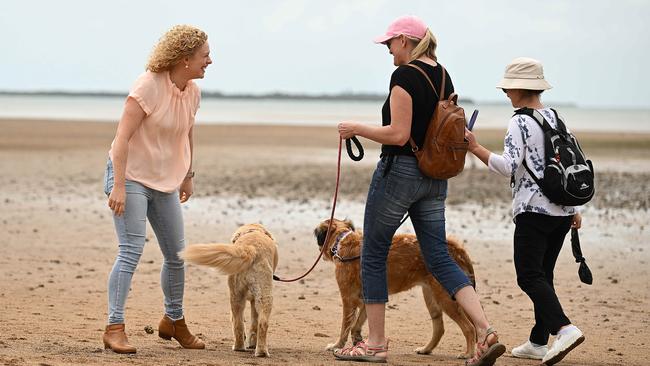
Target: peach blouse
(159,150)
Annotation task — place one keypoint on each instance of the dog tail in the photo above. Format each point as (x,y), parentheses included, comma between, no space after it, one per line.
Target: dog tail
(460,255)
(227,258)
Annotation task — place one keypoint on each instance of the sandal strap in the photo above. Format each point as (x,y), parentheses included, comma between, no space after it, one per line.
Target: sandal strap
(371,351)
(355,350)
(490,330)
(482,347)
(362,348)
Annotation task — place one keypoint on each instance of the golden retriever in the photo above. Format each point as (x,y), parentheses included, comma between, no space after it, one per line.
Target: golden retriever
(249,263)
(405,270)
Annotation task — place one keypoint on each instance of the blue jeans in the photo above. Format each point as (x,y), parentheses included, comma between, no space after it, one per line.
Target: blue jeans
(164,213)
(405,189)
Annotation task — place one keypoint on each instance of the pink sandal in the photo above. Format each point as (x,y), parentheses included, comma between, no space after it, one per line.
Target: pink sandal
(487,354)
(363,353)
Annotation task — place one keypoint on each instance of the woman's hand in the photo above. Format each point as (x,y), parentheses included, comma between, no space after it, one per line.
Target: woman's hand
(186,190)
(117,199)
(577,221)
(347,129)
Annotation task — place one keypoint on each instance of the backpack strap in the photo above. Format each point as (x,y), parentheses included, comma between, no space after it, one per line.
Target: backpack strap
(442,87)
(537,180)
(538,117)
(414,146)
(560,124)
(541,121)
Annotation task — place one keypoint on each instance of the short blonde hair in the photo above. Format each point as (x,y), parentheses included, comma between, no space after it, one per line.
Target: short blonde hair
(178,42)
(425,47)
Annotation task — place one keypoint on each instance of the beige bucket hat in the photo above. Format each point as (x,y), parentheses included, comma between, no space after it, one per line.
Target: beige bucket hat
(524,73)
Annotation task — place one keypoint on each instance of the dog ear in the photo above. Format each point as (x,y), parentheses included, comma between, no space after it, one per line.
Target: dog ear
(320,233)
(350,224)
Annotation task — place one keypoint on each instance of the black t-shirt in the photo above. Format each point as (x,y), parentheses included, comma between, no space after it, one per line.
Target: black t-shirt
(423,99)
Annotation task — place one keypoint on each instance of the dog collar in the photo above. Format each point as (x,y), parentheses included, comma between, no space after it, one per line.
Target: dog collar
(339,239)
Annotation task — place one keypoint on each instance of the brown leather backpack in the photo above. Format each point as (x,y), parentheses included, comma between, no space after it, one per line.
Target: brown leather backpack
(442,155)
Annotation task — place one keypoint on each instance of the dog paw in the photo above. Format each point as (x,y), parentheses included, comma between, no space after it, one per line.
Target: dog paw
(252,341)
(333,346)
(262,353)
(423,351)
(463,356)
(238,348)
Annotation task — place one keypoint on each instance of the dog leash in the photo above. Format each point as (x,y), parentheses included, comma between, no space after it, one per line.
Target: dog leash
(336,193)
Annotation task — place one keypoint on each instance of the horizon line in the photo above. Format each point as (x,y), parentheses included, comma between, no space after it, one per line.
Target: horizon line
(276,95)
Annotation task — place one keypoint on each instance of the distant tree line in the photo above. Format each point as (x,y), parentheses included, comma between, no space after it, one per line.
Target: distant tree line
(346,96)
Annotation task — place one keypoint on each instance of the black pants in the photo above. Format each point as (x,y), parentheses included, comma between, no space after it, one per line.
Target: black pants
(538,240)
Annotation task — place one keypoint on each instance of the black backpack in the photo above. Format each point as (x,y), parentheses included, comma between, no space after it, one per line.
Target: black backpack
(568,176)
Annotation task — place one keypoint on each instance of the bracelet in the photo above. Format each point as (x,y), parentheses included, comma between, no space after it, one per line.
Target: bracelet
(190,174)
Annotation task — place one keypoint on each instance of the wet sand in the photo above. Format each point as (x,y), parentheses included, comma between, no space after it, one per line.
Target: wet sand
(58,245)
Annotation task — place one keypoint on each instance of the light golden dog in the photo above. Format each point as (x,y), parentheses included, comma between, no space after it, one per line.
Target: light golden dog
(405,270)
(249,263)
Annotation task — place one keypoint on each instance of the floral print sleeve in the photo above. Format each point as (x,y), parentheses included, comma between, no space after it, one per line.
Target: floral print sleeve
(513,149)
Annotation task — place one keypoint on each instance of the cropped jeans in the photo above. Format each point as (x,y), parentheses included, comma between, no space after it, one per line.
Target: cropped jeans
(164,213)
(405,189)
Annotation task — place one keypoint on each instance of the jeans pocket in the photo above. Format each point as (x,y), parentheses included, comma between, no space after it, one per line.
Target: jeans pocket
(108,178)
(401,188)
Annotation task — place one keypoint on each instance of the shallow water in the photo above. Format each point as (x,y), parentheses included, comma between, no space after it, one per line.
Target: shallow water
(302,112)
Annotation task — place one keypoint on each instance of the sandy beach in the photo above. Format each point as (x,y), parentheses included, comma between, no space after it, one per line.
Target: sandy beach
(58,245)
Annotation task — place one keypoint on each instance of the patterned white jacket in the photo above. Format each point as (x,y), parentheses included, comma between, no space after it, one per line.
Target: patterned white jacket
(525,140)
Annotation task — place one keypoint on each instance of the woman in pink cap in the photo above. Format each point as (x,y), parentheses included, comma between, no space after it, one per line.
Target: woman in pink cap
(149,174)
(398,187)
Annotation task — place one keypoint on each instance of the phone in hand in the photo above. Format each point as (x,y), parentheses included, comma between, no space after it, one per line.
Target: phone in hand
(472,120)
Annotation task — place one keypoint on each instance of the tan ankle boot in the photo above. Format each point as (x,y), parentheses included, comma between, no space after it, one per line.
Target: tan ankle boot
(115,339)
(168,329)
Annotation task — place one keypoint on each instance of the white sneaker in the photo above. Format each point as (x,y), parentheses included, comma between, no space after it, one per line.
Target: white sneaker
(562,346)
(528,350)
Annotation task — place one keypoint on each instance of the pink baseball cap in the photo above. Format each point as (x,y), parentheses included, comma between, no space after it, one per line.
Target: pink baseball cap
(408,25)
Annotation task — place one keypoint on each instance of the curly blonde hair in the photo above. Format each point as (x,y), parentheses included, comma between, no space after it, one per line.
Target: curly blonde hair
(178,42)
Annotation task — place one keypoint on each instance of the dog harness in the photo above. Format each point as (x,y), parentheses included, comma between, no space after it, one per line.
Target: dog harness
(335,248)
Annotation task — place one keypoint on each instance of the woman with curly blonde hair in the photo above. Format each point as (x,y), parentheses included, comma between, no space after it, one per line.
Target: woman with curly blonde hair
(149,174)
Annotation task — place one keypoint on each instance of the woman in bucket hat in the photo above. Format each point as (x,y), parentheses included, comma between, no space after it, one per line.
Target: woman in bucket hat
(540,225)
(398,187)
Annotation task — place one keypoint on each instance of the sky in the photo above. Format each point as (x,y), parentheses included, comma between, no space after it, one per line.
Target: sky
(595,53)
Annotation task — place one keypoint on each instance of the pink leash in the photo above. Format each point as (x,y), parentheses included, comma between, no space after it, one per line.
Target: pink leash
(336,193)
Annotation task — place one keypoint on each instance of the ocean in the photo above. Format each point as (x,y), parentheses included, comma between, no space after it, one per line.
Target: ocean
(301,112)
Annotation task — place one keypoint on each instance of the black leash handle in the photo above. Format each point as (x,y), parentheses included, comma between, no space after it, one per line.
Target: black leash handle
(348,147)
(583,271)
